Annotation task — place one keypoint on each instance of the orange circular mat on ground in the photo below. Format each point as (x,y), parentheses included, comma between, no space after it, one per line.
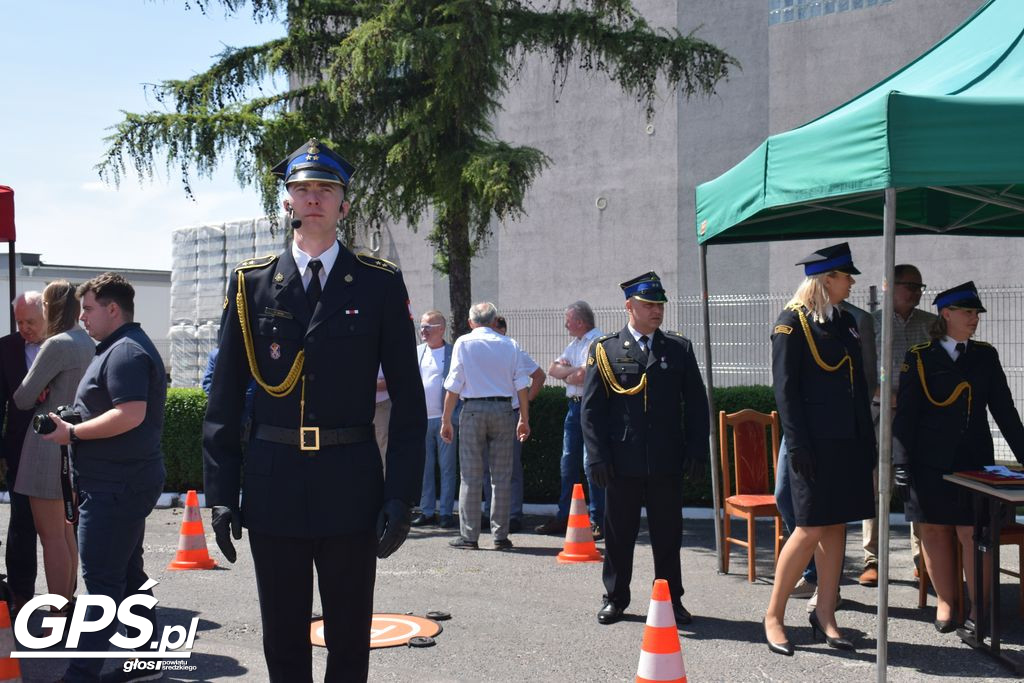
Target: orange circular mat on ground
(387,630)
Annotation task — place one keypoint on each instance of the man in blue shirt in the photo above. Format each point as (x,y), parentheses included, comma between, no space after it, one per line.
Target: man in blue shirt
(116,458)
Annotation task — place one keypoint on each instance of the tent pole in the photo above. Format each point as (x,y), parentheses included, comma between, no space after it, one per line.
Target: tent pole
(885,433)
(710,384)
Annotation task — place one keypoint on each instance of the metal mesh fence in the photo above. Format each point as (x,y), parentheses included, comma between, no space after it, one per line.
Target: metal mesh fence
(741,325)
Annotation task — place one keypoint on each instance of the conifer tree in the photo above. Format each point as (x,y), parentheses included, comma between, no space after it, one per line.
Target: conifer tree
(407,91)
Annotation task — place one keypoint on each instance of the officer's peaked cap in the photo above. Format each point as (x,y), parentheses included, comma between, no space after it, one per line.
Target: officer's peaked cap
(829,259)
(646,287)
(961,296)
(314,161)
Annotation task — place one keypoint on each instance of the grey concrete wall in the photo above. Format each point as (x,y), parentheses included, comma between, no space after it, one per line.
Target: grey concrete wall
(566,248)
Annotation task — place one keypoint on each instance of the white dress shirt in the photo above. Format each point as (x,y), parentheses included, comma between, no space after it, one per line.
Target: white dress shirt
(576,355)
(949,344)
(31,351)
(485,363)
(302,260)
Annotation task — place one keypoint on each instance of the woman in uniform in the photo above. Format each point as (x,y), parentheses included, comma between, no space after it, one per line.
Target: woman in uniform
(946,385)
(823,402)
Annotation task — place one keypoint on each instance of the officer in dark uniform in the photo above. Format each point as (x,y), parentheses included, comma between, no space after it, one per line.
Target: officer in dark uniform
(947,388)
(645,422)
(310,327)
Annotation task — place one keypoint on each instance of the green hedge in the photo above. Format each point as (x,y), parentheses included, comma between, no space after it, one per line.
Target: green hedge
(183,419)
(182,440)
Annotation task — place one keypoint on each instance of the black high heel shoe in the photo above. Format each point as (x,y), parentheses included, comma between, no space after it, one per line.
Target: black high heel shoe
(837,643)
(945,625)
(785,648)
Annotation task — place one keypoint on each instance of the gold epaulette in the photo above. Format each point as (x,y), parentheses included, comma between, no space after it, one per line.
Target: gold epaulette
(605,338)
(677,334)
(920,347)
(257,262)
(379,263)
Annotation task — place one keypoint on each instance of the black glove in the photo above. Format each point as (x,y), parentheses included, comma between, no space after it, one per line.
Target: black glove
(693,468)
(802,462)
(601,474)
(901,477)
(226,523)
(392,526)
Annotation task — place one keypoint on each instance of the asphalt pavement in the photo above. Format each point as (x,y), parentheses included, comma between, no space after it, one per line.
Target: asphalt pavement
(521,616)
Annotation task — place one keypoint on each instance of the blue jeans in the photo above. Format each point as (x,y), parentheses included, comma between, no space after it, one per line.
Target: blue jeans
(443,454)
(784,501)
(111,529)
(574,453)
(515,510)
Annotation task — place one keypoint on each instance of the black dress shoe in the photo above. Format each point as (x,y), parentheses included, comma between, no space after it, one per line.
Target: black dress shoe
(421,520)
(682,615)
(837,643)
(784,648)
(945,625)
(610,613)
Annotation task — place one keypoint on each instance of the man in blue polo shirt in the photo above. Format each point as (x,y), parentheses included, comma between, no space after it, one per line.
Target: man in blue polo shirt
(116,457)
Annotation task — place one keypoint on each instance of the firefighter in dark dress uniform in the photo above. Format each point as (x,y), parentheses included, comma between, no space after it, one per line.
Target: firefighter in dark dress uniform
(645,422)
(824,406)
(942,426)
(310,326)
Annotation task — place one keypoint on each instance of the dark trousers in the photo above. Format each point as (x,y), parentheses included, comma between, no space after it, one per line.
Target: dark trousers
(21,547)
(111,530)
(346,566)
(663,496)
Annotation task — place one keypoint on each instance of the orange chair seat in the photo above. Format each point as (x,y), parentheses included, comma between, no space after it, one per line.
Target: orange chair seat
(752,500)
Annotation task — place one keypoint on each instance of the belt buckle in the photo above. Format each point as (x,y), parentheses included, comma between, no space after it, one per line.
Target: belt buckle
(315,432)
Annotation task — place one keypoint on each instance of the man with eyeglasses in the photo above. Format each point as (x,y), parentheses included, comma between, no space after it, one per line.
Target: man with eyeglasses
(435,358)
(910,326)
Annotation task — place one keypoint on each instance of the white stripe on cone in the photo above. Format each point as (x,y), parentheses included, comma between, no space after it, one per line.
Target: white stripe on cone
(667,667)
(660,614)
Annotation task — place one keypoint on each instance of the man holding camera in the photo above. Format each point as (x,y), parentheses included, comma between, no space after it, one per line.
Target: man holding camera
(117,461)
(311,326)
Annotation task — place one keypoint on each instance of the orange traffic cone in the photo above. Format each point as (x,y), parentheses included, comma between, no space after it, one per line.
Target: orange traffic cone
(579,539)
(661,658)
(10,669)
(192,553)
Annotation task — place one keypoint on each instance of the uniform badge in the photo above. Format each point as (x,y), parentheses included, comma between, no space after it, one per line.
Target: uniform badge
(904,367)
(275,350)
(279,278)
(590,360)
(625,344)
(348,277)
(783,329)
(664,365)
(351,311)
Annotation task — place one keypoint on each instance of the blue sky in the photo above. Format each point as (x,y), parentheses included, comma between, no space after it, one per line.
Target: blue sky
(67,69)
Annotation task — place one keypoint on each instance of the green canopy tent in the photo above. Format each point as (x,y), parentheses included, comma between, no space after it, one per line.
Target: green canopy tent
(936,147)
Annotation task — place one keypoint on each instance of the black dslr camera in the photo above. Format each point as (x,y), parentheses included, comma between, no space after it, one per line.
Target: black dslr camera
(42,424)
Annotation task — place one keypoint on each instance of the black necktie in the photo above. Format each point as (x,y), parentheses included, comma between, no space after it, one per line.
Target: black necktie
(315,289)
(961,351)
(644,347)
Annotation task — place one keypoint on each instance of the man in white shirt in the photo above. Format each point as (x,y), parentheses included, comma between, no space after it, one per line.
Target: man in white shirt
(435,355)
(486,372)
(571,367)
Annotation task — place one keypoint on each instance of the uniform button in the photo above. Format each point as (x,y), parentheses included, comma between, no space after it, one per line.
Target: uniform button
(351,328)
(311,339)
(311,377)
(311,416)
(273,329)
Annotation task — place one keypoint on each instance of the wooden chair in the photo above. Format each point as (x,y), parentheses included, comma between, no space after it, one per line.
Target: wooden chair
(754,496)
(1010,534)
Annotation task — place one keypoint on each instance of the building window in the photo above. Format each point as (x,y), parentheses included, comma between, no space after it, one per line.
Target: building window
(785,11)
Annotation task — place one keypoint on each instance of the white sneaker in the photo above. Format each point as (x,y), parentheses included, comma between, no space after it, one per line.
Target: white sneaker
(812,604)
(803,589)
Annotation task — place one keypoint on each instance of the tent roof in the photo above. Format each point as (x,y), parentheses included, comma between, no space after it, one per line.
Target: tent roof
(946,131)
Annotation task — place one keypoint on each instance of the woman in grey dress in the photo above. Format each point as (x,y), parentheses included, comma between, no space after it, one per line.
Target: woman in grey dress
(51,382)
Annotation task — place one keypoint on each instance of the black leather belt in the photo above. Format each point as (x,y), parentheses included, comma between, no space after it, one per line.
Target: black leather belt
(489,398)
(312,438)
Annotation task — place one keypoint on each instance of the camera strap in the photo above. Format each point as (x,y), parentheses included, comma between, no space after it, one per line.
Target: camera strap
(66,488)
